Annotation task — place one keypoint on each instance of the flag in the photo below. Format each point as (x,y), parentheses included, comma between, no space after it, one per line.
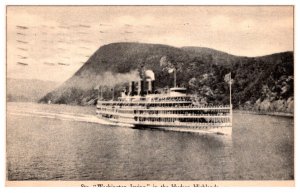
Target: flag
(228,79)
(170,70)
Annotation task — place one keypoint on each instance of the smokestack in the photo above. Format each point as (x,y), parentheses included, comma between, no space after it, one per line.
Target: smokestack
(150,77)
(150,86)
(131,88)
(141,89)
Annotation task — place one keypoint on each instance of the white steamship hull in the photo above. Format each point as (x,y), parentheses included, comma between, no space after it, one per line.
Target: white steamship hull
(220,129)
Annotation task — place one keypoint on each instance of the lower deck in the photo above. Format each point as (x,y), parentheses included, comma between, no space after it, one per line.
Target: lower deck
(223,129)
(192,118)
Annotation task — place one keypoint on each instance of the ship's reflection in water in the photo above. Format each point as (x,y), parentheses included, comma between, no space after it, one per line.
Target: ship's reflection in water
(42,148)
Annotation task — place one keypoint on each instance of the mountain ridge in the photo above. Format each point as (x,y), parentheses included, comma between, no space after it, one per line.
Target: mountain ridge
(28,90)
(204,70)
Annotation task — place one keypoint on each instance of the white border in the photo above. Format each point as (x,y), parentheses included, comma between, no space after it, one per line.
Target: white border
(145,2)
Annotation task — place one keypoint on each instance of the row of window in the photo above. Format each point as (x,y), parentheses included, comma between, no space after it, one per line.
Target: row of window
(174,111)
(183,120)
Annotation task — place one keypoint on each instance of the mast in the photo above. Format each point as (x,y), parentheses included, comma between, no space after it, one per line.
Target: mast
(230,89)
(113,93)
(230,103)
(174,77)
(228,79)
(100,93)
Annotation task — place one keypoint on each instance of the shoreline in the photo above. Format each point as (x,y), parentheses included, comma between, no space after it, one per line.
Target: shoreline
(90,109)
(281,114)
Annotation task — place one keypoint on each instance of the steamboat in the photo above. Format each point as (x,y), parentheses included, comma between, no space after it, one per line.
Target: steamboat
(141,106)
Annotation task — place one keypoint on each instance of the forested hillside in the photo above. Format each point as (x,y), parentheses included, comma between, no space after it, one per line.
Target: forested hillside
(260,83)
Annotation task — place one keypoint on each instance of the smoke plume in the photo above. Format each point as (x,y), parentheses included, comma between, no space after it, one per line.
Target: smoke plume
(88,80)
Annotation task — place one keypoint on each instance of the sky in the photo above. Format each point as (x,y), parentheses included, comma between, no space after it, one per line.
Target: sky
(53,42)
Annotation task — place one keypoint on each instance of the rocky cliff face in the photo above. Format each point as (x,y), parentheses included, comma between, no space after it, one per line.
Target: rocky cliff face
(279,98)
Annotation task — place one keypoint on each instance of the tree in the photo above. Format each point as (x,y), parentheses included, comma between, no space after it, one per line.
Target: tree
(172,65)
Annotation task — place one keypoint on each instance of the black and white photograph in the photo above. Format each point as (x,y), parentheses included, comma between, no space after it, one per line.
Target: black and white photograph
(131,95)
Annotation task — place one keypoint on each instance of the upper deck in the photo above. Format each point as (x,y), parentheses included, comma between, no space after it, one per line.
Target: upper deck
(149,99)
(174,95)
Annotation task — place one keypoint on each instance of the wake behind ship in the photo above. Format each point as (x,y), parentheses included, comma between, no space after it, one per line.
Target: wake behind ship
(172,109)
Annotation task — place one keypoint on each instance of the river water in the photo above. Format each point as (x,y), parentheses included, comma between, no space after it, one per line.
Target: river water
(59,142)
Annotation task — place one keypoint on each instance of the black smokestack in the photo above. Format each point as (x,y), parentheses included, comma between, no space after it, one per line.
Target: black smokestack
(152,86)
(141,90)
(131,88)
